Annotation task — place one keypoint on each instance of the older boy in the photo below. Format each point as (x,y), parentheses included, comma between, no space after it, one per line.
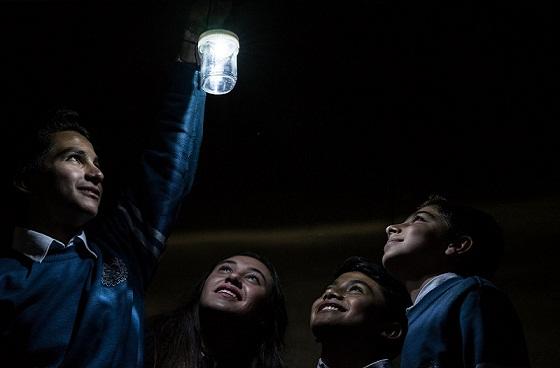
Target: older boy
(360,318)
(444,254)
(72,289)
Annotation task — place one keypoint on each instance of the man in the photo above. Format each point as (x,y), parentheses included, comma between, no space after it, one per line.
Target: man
(72,285)
(360,318)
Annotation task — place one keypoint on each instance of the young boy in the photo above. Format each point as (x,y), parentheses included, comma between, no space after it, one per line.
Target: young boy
(445,253)
(360,318)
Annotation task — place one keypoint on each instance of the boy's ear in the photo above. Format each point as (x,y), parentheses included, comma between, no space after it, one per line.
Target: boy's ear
(392,331)
(21,183)
(460,245)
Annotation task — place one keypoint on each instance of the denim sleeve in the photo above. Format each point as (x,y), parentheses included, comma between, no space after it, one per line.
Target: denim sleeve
(141,222)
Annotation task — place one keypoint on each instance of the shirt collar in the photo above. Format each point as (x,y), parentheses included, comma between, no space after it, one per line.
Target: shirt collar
(432,284)
(321,364)
(36,245)
(383,363)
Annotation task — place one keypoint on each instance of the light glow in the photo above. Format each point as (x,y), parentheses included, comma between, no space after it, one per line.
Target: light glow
(218,49)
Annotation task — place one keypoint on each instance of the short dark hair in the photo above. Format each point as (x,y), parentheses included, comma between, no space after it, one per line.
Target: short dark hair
(396,296)
(32,152)
(488,242)
(39,144)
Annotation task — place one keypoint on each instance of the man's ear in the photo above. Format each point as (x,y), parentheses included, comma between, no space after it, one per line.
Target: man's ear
(22,182)
(392,331)
(460,245)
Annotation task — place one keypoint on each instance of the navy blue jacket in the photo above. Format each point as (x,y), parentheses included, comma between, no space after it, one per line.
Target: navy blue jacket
(75,310)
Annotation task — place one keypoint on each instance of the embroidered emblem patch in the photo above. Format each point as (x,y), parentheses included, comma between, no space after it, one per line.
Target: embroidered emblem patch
(114,272)
(431,364)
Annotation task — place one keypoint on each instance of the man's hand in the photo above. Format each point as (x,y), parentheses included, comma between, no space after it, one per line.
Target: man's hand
(203,15)
(208,14)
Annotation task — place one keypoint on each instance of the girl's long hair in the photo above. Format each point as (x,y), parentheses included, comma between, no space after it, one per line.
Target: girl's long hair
(176,336)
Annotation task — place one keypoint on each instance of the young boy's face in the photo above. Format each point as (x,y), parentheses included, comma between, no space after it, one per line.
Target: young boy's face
(353,302)
(416,247)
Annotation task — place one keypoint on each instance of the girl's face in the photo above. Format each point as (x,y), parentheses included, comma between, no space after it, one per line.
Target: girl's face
(239,285)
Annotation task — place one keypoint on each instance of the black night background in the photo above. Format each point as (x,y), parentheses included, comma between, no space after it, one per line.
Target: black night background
(345,116)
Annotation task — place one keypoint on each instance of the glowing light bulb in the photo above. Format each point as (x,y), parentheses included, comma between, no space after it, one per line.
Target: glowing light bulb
(218,49)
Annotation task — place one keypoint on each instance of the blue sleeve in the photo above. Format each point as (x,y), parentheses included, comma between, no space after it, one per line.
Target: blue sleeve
(142,220)
(491,331)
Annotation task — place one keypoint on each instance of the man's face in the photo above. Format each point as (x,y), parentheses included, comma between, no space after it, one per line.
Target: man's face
(353,302)
(238,285)
(416,246)
(70,181)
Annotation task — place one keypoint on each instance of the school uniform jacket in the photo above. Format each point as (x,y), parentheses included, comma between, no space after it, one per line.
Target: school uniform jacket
(85,308)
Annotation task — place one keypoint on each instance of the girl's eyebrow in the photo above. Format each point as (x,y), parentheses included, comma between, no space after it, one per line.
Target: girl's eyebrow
(259,272)
(231,261)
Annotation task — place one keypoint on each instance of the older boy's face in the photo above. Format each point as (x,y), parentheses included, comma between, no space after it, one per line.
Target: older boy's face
(70,182)
(417,246)
(352,302)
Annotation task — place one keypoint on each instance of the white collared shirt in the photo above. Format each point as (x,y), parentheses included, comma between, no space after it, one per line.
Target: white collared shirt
(431,285)
(383,363)
(36,245)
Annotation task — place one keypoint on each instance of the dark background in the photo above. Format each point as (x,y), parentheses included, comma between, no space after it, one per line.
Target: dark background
(344,117)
